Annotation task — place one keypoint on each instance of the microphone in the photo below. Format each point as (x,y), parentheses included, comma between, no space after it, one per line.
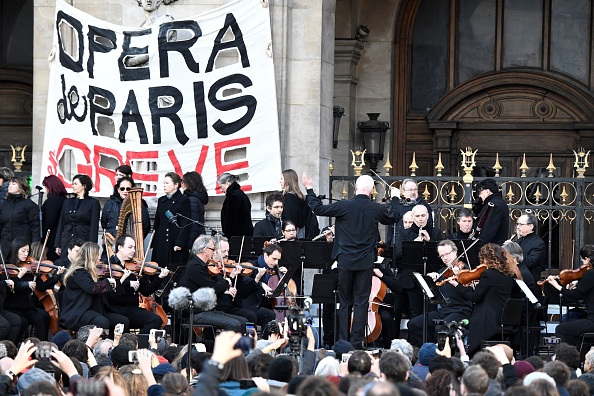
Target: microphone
(307,303)
(39,188)
(205,298)
(464,323)
(180,298)
(171,217)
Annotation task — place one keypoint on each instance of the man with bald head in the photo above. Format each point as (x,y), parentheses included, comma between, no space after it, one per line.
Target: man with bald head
(355,242)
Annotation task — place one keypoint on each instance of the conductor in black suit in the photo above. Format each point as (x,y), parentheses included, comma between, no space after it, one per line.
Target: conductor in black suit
(356,237)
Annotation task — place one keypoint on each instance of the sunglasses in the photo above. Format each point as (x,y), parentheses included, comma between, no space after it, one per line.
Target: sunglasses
(125,188)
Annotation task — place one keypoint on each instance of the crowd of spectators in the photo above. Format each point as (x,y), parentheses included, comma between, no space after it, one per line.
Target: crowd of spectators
(91,364)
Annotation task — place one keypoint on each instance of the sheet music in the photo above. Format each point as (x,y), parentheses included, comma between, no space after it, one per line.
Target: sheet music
(424,284)
(531,297)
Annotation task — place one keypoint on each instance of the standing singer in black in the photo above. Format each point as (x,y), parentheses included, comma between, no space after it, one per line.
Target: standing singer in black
(356,237)
(492,224)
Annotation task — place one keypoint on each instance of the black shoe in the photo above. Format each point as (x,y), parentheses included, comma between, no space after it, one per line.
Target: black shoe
(360,346)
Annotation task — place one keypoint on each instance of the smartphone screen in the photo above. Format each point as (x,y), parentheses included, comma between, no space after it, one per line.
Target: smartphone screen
(250,330)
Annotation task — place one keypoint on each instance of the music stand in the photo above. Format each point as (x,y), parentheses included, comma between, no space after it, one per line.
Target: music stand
(323,291)
(318,255)
(252,246)
(421,257)
(430,292)
(173,282)
(292,256)
(530,297)
(283,282)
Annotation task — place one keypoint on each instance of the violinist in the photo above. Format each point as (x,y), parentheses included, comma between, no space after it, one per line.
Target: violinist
(202,272)
(82,303)
(126,303)
(10,323)
(244,285)
(22,302)
(456,307)
(571,330)
(51,277)
(496,284)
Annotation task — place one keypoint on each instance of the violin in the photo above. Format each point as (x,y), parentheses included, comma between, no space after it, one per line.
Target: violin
(465,277)
(33,266)
(567,276)
(12,269)
(149,267)
(116,270)
(214,267)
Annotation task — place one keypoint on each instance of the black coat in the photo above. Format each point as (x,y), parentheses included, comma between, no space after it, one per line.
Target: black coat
(196,213)
(168,235)
(410,234)
(535,254)
(19,217)
(50,210)
(583,290)
(356,233)
(496,226)
(392,231)
(265,228)
(489,297)
(236,213)
(111,215)
(82,293)
(79,219)
(296,210)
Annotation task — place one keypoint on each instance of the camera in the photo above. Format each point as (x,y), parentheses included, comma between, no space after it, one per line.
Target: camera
(551,340)
(159,334)
(43,352)
(132,357)
(297,328)
(448,332)
(89,387)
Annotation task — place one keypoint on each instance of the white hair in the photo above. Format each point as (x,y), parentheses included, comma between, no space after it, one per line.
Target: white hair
(328,367)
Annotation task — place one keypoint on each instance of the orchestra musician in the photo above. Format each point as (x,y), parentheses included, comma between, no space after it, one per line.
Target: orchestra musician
(126,303)
(22,302)
(19,216)
(236,212)
(295,208)
(198,196)
(79,217)
(571,330)
(456,307)
(354,249)
(268,260)
(197,276)
(533,247)
(50,211)
(246,286)
(464,222)
(495,285)
(495,224)
(407,220)
(271,225)
(82,302)
(409,199)
(170,241)
(411,295)
(111,210)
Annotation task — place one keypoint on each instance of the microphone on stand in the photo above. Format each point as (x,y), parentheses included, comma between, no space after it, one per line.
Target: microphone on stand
(180,298)
(205,298)
(39,188)
(171,217)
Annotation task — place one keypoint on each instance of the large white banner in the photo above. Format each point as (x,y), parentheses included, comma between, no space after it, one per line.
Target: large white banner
(204,101)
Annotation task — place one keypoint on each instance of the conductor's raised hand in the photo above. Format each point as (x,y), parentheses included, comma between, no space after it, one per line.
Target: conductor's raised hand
(307,181)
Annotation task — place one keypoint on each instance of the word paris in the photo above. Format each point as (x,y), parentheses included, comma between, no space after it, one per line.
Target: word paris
(178,96)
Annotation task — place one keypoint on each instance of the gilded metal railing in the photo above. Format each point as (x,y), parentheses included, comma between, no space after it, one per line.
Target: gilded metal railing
(563,206)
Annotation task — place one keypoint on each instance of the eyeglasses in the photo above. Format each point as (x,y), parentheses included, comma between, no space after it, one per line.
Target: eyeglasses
(410,189)
(446,254)
(211,249)
(291,230)
(125,188)
(521,224)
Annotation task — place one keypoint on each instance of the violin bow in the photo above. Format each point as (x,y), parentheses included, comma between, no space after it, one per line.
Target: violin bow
(41,255)
(5,269)
(239,261)
(108,258)
(145,254)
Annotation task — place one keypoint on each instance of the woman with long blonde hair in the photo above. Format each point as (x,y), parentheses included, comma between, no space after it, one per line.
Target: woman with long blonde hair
(82,303)
(295,208)
(494,287)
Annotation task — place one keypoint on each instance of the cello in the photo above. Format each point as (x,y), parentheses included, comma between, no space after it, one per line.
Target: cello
(47,298)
